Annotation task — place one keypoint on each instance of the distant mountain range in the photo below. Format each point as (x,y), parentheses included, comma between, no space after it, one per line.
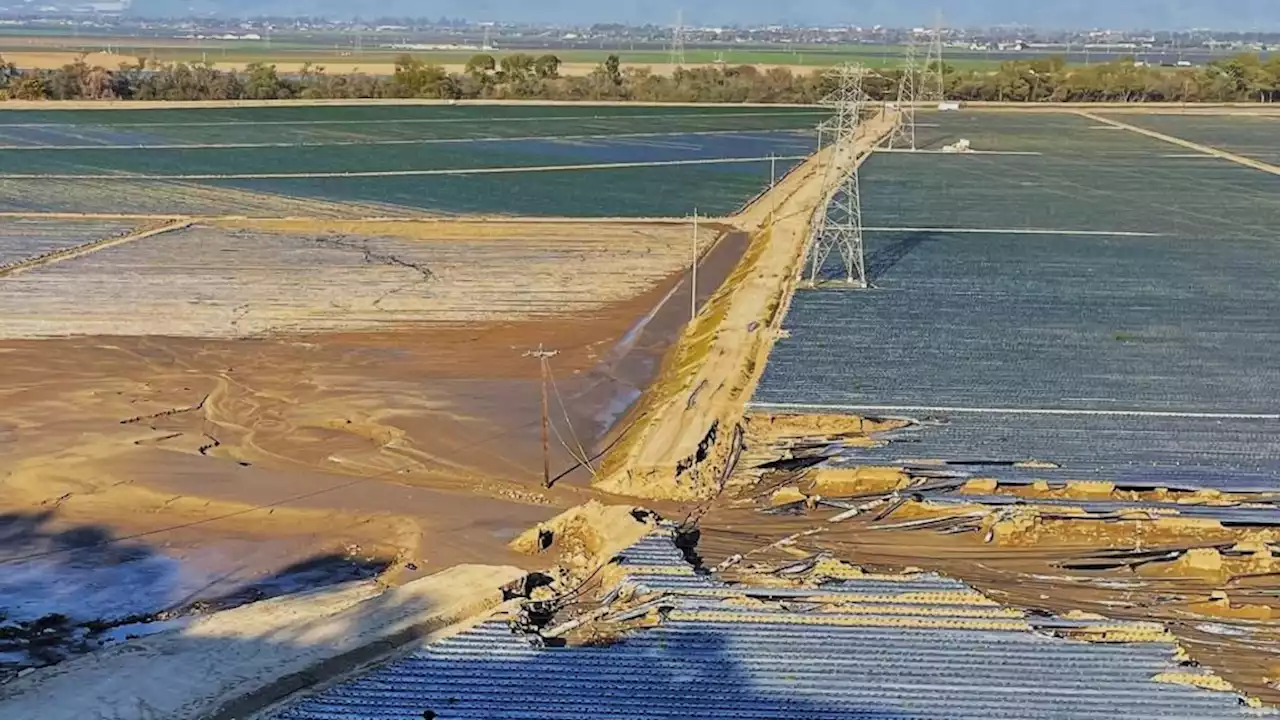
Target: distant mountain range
(1262,15)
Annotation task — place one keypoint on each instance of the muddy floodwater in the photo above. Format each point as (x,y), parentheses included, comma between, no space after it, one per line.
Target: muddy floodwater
(147,479)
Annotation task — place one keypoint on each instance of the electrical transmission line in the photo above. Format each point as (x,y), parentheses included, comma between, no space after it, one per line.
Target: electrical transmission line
(932,87)
(904,130)
(837,223)
(677,41)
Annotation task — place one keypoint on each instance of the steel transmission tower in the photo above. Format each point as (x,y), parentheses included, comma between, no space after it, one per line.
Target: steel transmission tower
(837,223)
(932,86)
(904,130)
(677,41)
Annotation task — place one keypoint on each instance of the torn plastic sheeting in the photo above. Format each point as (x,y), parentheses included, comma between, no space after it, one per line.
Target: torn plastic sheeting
(1224,513)
(786,662)
(839,669)
(800,463)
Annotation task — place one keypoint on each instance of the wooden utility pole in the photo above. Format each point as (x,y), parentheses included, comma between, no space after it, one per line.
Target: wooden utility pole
(543,355)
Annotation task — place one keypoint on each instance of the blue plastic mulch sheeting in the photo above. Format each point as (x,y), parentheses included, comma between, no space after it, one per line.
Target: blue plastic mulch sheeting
(912,647)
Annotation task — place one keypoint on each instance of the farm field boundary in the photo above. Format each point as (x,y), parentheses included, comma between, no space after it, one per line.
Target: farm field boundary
(424,121)
(202,104)
(1238,159)
(1212,108)
(90,247)
(325,223)
(856,409)
(399,173)
(356,143)
(680,442)
(1012,231)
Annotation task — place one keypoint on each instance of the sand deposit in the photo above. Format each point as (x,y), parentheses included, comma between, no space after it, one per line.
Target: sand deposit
(241,279)
(178,447)
(688,421)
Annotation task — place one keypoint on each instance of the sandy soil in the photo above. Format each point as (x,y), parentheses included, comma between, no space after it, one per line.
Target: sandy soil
(684,436)
(242,278)
(146,473)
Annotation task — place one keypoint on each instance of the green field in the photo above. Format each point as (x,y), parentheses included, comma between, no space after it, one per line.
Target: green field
(342,49)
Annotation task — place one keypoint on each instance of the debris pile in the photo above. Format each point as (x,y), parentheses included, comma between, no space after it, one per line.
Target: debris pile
(809,638)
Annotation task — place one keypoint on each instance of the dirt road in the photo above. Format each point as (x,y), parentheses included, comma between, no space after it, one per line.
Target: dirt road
(683,433)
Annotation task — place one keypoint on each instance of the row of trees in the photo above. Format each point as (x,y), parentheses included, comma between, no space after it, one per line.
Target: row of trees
(1243,78)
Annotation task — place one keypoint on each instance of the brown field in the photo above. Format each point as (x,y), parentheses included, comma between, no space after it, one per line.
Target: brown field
(315,388)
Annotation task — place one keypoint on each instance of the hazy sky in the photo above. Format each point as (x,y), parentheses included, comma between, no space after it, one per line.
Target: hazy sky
(1241,14)
(1076,14)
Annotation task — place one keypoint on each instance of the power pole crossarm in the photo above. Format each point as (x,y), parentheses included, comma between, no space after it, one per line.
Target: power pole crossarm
(543,355)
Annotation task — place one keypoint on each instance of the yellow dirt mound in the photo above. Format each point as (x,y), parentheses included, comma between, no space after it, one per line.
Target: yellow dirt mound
(766,425)
(846,482)
(587,535)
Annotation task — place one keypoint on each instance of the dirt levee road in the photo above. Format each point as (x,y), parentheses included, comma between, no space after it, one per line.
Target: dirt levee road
(684,431)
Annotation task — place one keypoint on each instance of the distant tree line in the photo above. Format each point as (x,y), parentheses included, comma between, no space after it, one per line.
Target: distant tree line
(1242,78)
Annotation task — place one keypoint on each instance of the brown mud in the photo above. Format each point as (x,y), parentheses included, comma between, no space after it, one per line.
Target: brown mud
(417,447)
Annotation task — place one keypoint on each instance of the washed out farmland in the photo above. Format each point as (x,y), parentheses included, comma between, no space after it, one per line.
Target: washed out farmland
(1067,360)
(294,342)
(248,351)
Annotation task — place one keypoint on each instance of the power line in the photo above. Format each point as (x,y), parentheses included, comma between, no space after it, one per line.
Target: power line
(677,40)
(932,85)
(838,220)
(581,456)
(904,130)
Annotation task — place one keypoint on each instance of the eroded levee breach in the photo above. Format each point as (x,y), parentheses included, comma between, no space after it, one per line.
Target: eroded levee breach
(809,637)
(1199,560)
(681,437)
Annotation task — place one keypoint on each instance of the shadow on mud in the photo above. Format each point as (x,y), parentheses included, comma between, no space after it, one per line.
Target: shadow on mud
(66,590)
